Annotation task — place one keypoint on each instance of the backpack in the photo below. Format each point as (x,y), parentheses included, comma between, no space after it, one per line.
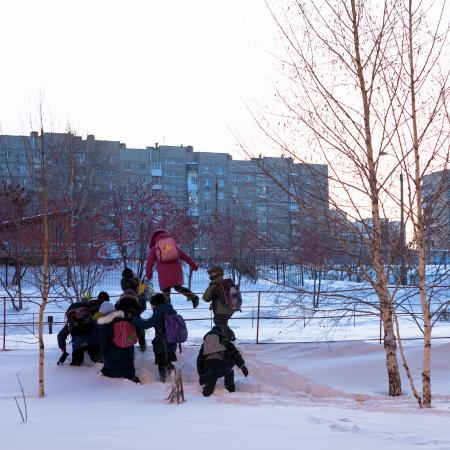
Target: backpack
(167,249)
(231,295)
(176,330)
(124,334)
(79,320)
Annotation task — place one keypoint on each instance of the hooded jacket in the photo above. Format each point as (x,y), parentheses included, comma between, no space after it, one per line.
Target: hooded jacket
(170,273)
(118,362)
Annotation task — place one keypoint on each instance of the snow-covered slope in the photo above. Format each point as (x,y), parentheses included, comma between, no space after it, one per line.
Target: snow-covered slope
(297,396)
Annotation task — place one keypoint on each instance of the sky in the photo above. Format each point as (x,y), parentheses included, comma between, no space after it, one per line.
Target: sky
(168,71)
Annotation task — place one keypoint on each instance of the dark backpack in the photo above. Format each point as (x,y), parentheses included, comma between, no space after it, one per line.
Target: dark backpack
(231,296)
(176,330)
(79,320)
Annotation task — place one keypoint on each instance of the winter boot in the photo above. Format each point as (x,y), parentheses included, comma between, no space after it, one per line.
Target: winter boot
(208,389)
(229,382)
(195,301)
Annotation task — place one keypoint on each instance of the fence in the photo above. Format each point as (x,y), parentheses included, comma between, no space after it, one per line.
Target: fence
(259,321)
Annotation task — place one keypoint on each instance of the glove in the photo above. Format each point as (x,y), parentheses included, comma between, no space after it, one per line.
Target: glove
(195,268)
(244,370)
(62,358)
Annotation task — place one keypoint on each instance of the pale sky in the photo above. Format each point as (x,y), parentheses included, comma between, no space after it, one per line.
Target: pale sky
(139,71)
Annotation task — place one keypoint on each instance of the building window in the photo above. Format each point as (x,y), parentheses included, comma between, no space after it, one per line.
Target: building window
(207,208)
(193,180)
(22,155)
(221,195)
(156,165)
(249,178)
(206,169)
(222,208)
(249,203)
(221,183)
(207,182)
(234,177)
(129,179)
(110,172)
(81,158)
(127,166)
(234,189)
(207,195)
(220,170)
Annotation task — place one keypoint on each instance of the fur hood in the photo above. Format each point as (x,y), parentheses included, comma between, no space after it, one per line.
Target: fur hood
(110,317)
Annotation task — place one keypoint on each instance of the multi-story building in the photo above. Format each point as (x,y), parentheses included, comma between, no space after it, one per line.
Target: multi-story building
(436,204)
(274,193)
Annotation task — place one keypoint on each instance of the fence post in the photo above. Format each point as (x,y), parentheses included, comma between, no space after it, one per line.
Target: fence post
(33,322)
(4,323)
(257,317)
(50,324)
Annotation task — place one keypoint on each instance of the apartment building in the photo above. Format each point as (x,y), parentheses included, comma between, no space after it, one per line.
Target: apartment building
(275,193)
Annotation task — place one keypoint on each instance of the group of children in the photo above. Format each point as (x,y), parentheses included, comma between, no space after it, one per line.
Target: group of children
(109,332)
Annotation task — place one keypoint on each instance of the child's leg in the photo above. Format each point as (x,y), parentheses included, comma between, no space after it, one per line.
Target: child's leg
(210,384)
(166,292)
(229,381)
(77,357)
(188,294)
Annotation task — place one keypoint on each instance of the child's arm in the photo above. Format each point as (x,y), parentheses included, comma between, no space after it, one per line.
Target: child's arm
(145,323)
(187,259)
(150,262)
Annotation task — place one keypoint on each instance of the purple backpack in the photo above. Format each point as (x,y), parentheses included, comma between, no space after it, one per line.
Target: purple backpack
(176,331)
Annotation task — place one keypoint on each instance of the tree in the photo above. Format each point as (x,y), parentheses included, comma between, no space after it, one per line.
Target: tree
(350,78)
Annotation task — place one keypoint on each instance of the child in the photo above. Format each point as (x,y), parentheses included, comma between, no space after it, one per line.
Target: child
(168,256)
(216,359)
(164,352)
(94,304)
(83,330)
(129,280)
(118,354)
(216,296)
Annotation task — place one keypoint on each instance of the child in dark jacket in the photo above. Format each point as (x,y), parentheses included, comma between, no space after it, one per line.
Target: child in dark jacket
(118,360)
(129,280)
(216,359)
(83,330)
(164,352)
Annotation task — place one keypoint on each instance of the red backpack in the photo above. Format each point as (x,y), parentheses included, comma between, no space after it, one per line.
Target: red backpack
(124,334)
(167,249)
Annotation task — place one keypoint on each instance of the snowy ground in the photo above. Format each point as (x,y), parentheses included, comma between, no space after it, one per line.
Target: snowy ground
(313,396)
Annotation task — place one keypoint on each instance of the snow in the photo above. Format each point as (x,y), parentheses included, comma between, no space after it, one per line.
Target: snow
(315,396)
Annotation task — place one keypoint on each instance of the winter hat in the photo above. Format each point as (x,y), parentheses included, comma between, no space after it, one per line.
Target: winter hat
(106,308)
(157,299)
(103,296)
(85,297)
(215,270)
(127,273)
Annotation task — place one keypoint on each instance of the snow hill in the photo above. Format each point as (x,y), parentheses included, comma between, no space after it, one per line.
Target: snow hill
(298,396)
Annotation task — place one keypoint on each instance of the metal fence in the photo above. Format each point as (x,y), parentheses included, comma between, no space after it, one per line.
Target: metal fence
(258,322)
